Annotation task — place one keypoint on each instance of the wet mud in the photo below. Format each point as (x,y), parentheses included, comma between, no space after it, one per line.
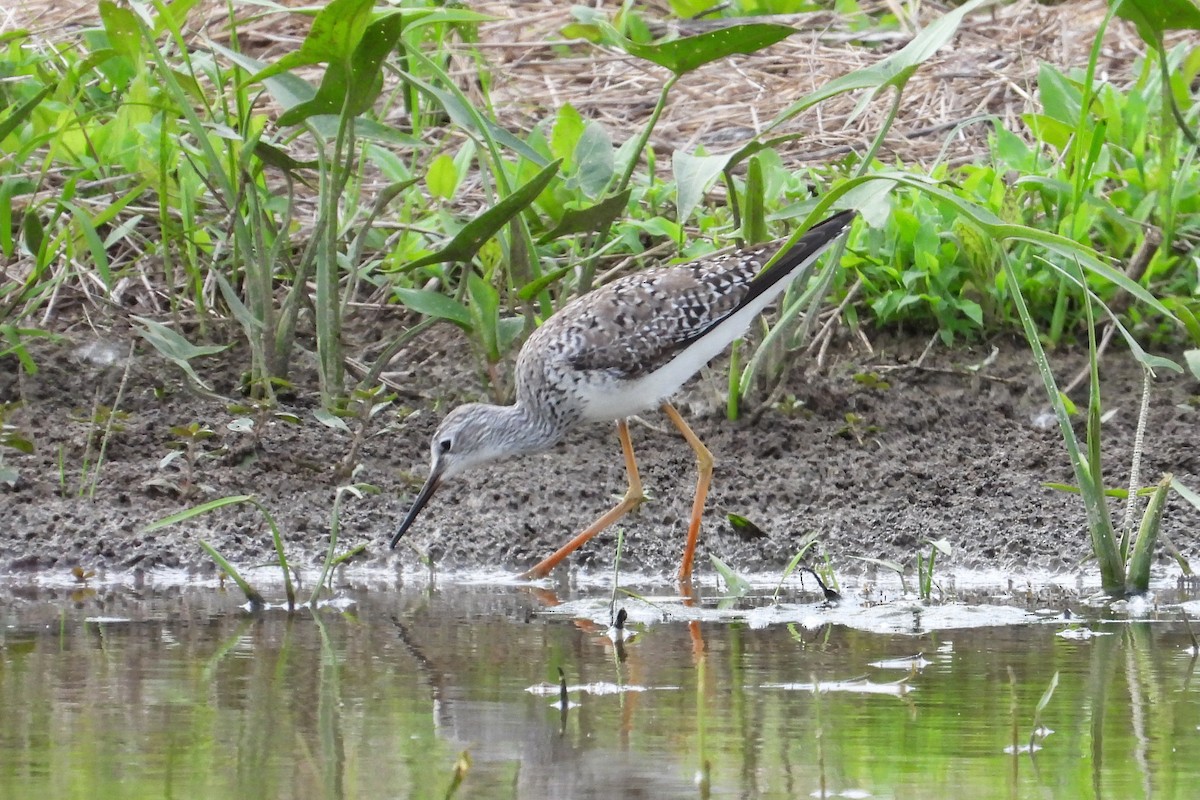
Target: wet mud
(873,452)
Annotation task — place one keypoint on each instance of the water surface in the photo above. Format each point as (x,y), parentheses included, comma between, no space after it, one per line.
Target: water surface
(180,692)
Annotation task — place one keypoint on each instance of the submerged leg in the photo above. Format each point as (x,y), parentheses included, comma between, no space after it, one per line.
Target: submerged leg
(704,463)
(633,496)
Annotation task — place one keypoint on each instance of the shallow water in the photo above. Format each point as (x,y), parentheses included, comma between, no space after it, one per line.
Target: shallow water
(179,692)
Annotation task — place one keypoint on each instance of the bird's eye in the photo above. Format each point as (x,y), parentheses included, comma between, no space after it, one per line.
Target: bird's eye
(444,446)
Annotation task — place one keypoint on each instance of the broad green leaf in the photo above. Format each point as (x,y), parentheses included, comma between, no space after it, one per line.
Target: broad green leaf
(442,177)
(124,35)
(659,226)
(693,176)
(589,218)
(175,347)
(1187,494)
(686,54)
(745,527)
(32,231)
(335,33)
(330,420)
(436,304)
(1153,17)
(593,159)
(507,331)
(1192,359)
(564,137)
(942,546)
(1061,99)
(485,309)
(280,159)
(467,241)
(735,585)
(970,309)
(351,86)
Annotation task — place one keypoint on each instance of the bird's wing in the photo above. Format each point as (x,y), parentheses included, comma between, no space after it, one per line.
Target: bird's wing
(637,324)
(640,322)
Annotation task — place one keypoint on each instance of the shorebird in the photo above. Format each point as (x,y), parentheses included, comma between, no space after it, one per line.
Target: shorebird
(617,351)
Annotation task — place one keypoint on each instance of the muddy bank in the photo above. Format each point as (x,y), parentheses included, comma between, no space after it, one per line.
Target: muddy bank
(956,449)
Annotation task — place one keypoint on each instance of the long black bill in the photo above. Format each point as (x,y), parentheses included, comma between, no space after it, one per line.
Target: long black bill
(431,485)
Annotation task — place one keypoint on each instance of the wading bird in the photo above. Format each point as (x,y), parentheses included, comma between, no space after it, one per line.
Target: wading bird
(618,351)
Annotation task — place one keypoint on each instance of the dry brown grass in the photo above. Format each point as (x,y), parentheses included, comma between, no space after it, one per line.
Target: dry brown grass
(989,69)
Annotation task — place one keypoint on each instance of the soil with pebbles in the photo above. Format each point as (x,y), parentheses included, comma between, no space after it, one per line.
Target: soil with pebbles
(874,453)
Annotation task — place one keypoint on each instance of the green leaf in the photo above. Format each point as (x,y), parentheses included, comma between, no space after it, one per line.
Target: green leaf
(745,527)
(175,347)
(253,597)
(333,37)
(564,137)
(1192,359)
(1186,493)
(594,159)
(485,309)
(686,54)
(693,176)
(658,226)
(95,246)
(331,420)
(436,304)
(350,87)
(467,241)
(464,118)
(121,26)
(33,232)
(1061,99)
(22,112)
(1138,576)
(754,216)
(942,546)
(16,441)
(1153,17)
(895,70)
(195,511)
(735,585)
(442,177)
(589,218)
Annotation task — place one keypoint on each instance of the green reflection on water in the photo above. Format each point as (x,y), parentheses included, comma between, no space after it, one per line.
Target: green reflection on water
(192,698)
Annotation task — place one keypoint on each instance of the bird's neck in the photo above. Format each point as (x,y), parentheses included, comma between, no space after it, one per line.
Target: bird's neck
(524,430)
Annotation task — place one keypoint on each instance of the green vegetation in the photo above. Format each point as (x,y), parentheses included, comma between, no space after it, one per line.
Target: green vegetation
(236,189)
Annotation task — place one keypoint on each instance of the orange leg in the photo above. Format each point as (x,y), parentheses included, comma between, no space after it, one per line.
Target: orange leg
(633,498)
(704,462)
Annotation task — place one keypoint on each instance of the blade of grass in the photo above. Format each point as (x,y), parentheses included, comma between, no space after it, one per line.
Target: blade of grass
(252,596)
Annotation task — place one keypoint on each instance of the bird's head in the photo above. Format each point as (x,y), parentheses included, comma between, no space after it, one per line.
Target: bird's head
(469,436)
